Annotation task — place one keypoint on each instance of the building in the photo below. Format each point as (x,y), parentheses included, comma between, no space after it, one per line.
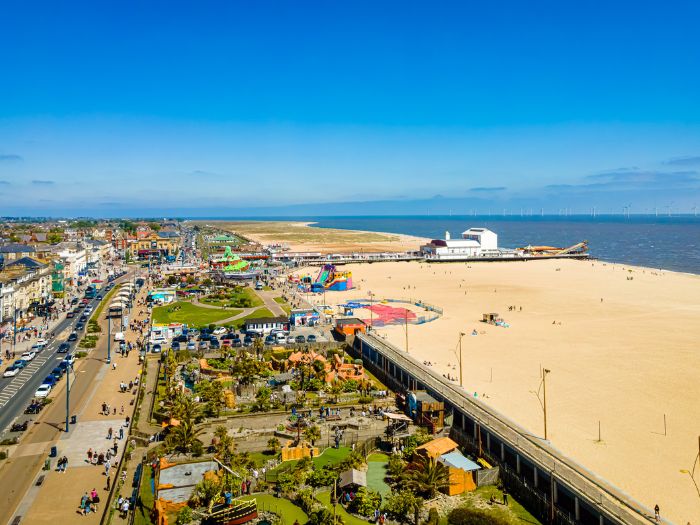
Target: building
(350,326)
(14,251)
(74,257)
(461,469)
(264,325)
(155,245)
(25,287)
(475,242)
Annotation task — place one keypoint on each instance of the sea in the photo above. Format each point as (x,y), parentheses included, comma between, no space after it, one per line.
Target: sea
(663,242)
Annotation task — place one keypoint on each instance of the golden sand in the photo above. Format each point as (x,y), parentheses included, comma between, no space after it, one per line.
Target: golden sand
(622,344)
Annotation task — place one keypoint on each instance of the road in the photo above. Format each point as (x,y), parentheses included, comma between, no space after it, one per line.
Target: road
(18,391)
(18,472)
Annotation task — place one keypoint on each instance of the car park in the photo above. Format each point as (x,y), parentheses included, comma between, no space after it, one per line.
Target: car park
(63,348)
(11,371)
(42,391)
(73,336)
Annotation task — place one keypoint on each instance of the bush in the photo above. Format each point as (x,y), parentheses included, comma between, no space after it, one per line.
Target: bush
(403,504)
(366,400)
(433,517)
(79,355)
(3,454)
(468,516)
(365,502)
(305,499)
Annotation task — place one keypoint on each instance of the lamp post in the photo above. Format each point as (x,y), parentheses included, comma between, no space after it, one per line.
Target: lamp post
(371,316)
(109,337)
(461,334)
(68,369)
(545,371)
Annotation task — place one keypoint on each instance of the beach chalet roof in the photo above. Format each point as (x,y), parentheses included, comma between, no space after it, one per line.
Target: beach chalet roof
(16,248)
(457,460)
(455,243)
(437,447)
(353,477)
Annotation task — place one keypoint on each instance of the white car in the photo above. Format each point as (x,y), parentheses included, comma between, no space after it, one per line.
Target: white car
(28,356)
(42,391)
(220,331)
(41,342)
(11,372)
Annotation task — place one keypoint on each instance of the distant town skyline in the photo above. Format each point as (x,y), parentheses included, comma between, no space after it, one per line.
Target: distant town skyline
(245,109)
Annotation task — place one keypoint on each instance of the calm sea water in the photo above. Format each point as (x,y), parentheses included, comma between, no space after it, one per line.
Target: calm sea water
(671,243)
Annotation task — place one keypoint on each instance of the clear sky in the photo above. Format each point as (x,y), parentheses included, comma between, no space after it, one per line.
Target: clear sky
(150,107)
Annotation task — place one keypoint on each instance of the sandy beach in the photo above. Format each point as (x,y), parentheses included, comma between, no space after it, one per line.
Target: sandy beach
(621,344)
(303,237)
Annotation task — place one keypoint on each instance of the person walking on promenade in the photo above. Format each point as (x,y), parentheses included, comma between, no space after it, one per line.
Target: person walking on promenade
(657,512)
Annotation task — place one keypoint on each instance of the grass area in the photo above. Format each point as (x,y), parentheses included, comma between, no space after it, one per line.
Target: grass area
(378,456)
(280,300)
(261,458)
(105,301)
(331,456)
(299,232)
(143,511)
(376,472)
(184,312)
(514,513)
(348,519)
(235,298)
(285,509)
(260,312)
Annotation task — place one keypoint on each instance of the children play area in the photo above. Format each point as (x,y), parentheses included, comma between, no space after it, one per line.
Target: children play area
(328,279)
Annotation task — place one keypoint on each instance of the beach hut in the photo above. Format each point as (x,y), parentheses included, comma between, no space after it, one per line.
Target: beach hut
(490,318)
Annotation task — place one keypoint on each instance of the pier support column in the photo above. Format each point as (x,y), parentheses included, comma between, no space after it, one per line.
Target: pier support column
(503,452)
(601,520)
(577,511)
(517,463)
(555,496)
(488,442)
(535,477)
(476,431)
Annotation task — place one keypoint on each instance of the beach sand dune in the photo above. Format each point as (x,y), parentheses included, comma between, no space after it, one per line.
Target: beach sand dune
(622,344)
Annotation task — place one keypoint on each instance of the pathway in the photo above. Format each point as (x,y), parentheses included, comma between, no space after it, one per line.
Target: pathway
(270,303)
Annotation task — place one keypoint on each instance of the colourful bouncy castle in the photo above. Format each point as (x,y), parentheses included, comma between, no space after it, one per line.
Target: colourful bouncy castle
(330,279)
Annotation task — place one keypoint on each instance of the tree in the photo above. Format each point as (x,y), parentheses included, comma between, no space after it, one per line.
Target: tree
(54,237)
(184,516)
(172,279)
(312,433)
(273,444)
(425,476)
(322,477)
(395,468)
(365,502)
(262,399)
(403,505)
(324,516)
(184,437)
(207,491)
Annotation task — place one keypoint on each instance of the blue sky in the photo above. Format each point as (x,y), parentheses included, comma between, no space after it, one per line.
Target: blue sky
(121,108)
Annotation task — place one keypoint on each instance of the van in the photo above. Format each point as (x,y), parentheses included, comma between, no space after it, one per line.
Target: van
(119,336)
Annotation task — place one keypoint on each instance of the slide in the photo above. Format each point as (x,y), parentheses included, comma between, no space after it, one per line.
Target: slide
(322,278)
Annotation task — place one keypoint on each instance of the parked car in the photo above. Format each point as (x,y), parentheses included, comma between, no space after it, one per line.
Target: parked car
(50,380)
(270,340)
(42,391)
(20,363)
(191,346)
(175,345)
(70,315)
(219,331)
(203,345)
(214,343)
(299,339)
(28,356)
(156,348)
(180,338)
(63,348)
(311,339)
(79,326)
(73,336)
(57,373)
(247,341)
(237,343)
(70,359)
(11,371)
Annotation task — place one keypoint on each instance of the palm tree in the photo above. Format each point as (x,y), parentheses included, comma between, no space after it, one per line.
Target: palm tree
(183,437)
(312,433)
(426,476)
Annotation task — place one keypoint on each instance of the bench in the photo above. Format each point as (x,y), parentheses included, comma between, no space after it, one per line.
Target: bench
(40,481)
(16,520)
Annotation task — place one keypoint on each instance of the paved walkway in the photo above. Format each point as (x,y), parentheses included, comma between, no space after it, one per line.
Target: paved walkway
(58,498)
(270,303)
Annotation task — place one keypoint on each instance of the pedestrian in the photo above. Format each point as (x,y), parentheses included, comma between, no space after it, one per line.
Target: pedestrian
(109,433)
(657,512)
(89,455)
(121,410)
(505,497)
(107,466)
(121,432)
(94,498)
(114,365)
(108,480)
(125,508)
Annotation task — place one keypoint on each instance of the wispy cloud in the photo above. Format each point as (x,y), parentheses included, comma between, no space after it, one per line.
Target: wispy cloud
(690,160)
(4,183)
(203,173)
(488,188)
(627,179)
(10,157)
(38,182)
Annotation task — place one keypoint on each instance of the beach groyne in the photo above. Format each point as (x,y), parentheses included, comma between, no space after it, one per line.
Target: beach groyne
(551,485)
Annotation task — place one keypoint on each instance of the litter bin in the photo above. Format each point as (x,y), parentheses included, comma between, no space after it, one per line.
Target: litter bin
(54,452)
(73,420)
(47,464)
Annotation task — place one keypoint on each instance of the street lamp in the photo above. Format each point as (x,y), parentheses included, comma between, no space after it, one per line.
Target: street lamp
(109,336)
(371,316)
(461,334)
(545,371)
(691,472)
(68,370)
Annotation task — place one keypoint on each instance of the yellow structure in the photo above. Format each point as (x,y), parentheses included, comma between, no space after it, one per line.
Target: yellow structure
(302,450)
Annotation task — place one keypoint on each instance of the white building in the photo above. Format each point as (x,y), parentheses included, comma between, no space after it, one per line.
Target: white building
(475,242)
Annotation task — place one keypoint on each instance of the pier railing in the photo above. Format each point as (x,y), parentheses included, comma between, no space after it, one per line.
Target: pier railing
(566,471)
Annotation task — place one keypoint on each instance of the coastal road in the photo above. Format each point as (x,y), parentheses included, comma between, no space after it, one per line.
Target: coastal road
(19,471)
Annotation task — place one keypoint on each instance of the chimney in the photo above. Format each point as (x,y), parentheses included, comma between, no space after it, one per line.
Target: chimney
(447,236)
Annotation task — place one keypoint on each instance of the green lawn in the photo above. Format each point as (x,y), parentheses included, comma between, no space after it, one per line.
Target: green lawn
(143,511)
(231,296)
(280,300)
(260,312)
(348,519)
(189,314)
(514,513)
(331,456)
(105,301)
(376,472)
(285,509)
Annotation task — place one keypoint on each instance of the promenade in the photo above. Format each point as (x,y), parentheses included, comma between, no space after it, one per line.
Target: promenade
(96,383)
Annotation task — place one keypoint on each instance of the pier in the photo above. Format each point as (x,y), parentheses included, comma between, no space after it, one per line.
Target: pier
(552,486)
